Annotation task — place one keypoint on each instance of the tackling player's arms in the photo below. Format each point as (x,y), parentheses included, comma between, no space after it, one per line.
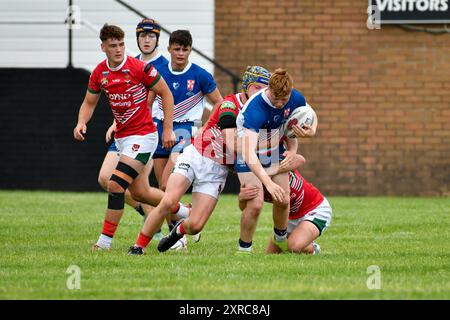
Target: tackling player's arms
(227,124)
(214,98)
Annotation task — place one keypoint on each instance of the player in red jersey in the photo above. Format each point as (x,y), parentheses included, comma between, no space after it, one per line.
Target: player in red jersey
(309,213)
(202,165)
(126,82)
(147,38)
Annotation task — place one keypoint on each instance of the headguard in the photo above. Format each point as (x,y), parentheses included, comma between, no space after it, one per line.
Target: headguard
(148,25)
(255,74)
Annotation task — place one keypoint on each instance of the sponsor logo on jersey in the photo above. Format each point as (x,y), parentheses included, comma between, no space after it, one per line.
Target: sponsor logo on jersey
(190,85)
(120,104)
(126,70)
(135,147)
(228,105)
(116,80)
(276,118)
(175,85)
(105,73)
(119,96)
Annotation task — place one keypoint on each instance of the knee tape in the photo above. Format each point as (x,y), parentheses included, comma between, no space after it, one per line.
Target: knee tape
(129,171)
(126,170)
(116,201)
(121,182)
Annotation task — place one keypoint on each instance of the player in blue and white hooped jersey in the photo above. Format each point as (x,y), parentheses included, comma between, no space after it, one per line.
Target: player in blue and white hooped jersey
(259,127)
(147,33)
(189,84)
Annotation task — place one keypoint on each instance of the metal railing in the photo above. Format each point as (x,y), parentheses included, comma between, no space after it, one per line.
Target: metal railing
(235,79)
(73,20)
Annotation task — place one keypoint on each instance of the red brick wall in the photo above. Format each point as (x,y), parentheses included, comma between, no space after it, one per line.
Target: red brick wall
(382,96)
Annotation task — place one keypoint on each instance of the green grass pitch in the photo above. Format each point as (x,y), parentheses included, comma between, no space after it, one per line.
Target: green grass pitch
(43,233)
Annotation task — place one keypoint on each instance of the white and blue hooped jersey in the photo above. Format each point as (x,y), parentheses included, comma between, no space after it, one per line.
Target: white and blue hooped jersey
(158,61)
(189,88)
(259,115)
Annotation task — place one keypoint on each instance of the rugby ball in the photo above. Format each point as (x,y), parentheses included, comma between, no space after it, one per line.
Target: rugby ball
(300,116)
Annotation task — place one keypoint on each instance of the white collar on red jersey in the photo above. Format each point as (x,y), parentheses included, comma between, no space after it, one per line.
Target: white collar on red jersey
(119,66)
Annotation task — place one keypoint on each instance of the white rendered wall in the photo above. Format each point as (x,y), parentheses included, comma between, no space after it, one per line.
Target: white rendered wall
(46,45)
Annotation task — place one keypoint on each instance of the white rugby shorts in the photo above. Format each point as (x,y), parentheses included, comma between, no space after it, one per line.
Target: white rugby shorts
(205,175)
(137,147)
(320,216)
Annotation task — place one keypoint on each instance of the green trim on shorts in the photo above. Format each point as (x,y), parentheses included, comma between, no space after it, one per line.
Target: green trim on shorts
(143,157)
(320,224)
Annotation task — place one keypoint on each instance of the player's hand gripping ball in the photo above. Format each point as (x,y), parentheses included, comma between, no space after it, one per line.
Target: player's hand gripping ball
(300,116)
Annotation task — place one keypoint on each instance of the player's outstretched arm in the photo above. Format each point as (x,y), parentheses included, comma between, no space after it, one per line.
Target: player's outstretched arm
(295,162)
(85,114)
(229,137)
(290,156)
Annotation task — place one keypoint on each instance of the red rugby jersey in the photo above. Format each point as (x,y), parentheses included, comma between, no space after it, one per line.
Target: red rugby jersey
(127,89)
(304,196)
(210,142)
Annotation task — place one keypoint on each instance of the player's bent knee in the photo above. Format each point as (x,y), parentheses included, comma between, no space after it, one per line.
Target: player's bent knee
(283,204)
(103,182)
(254,207)
(114,187)
(195,226)
(295,246)
(122,176)
(169,203)
(252,212)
